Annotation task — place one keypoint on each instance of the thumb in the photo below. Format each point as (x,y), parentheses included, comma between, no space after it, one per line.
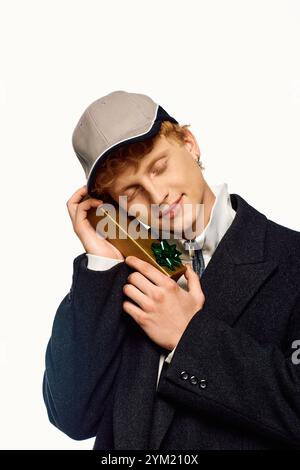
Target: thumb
(193,281)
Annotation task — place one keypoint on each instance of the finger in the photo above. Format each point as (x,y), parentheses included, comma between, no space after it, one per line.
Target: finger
(134,311)
(78,195)
(141,282)
(84,207)
(137,296)
(149,271)
(75,199)
(193,280)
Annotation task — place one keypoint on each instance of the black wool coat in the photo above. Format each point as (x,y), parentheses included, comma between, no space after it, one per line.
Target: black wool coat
(233,382)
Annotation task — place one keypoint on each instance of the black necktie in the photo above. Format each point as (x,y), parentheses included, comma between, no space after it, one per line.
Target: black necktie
(198,262)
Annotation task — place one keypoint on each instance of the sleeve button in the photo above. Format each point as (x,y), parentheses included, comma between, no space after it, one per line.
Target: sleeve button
(203,383)
(193,380)
(184,375)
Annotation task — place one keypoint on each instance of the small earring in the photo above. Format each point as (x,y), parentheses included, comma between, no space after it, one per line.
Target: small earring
(199,162)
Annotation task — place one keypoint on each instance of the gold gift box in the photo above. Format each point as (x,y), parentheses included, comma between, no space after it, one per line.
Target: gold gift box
(140,247)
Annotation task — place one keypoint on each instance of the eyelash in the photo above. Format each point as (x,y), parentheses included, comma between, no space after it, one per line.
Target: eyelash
(163,166)
(157,172)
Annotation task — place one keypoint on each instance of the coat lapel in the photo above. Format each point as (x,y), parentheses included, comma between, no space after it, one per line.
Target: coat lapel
(235,273)
(240,264)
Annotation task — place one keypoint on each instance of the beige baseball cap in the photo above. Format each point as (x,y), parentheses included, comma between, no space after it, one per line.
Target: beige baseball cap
(117,118)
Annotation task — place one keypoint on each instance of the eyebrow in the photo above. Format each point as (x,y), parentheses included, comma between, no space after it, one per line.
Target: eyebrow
(158,157)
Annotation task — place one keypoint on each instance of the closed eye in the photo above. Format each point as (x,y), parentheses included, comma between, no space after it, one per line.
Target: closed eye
(156,170)
(160,168)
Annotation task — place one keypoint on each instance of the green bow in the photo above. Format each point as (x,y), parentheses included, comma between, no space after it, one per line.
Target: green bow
(166,254)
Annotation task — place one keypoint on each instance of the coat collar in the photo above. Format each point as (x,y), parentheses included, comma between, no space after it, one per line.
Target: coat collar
(235,273)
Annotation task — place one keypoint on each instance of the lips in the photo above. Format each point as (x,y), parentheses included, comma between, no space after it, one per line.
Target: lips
(172,206)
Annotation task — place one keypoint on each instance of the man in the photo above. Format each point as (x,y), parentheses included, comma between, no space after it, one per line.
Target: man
(143,362)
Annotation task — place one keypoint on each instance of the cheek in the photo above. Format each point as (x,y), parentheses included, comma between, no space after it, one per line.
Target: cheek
(193,182)
(185,175)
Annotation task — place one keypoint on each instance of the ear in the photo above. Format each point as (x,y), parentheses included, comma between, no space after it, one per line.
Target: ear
(191,144)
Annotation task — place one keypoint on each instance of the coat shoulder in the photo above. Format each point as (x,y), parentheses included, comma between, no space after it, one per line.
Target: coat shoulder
(285,235)
(284,243)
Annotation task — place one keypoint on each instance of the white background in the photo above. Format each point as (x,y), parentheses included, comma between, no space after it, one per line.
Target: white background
(230,68)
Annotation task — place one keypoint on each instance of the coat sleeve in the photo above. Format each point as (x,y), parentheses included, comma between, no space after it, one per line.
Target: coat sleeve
(84,351)
(223,371)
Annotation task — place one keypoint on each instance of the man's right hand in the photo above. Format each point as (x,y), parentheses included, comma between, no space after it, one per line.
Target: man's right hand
(91,241)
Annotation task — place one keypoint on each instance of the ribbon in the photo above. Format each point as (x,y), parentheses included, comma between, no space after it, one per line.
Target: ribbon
(166,254)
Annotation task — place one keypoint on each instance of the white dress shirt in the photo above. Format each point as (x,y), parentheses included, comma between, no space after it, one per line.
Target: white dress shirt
(221,217)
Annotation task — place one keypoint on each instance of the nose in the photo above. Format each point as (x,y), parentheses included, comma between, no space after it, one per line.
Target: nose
(158,195)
